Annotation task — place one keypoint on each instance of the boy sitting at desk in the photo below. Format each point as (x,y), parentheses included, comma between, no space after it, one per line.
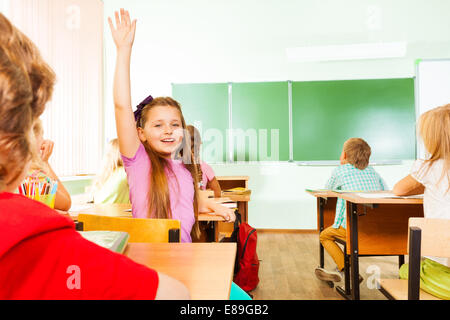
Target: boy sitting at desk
(354,174)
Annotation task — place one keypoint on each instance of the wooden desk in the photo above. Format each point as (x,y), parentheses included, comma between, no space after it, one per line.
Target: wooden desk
(205,268)
(123,210)
(375,227)
(229,182)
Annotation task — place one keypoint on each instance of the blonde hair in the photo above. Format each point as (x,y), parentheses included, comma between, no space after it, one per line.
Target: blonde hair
(111,162)
(358,152)
(434,128)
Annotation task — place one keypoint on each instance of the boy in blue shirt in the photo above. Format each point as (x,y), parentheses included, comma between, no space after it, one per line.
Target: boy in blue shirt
(354,174)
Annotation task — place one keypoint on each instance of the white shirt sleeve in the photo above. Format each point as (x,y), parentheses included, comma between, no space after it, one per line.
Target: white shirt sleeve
(418,171)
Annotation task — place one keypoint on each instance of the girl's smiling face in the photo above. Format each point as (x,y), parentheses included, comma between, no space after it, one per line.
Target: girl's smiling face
(163,130)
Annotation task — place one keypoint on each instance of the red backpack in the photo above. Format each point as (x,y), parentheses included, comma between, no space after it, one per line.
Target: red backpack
(247,263)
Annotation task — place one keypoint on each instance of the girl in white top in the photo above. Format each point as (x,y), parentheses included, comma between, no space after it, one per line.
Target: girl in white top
(432,178)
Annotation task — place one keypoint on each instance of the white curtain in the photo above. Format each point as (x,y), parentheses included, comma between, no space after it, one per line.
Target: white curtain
(4,7)
(69,34)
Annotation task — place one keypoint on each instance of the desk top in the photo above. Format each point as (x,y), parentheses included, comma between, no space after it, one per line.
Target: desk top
(230,197)
(225,178)
(207,268)
(124,210)
(355,198)
(322,193)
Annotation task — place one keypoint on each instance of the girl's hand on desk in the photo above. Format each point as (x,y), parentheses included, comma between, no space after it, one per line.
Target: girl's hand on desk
(208,205)
(226,213)
(124,34)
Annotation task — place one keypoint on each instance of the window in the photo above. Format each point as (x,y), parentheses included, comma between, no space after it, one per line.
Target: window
(69,35)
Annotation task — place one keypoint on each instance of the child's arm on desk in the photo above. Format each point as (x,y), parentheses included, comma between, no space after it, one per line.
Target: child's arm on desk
(207,205)
(408,186)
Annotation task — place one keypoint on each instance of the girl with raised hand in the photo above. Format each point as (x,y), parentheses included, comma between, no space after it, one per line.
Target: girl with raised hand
(162,178)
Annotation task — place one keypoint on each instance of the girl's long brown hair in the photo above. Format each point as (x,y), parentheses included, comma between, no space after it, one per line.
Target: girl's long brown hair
(159,196)
(434,128)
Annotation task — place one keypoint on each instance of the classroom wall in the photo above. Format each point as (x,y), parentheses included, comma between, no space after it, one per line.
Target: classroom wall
(180,41)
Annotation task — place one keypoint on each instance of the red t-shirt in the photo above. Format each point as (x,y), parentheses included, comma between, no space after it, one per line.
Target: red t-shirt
(43,257)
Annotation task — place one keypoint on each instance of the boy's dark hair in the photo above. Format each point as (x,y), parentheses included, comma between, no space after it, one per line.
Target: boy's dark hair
(358,152)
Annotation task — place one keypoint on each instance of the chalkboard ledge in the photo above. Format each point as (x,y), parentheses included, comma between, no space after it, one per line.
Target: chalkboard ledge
(337,162)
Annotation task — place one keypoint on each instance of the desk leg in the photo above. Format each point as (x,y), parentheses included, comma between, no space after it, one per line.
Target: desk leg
(243,210)
(211,232)
(321,250)
(401,261)
(354,251)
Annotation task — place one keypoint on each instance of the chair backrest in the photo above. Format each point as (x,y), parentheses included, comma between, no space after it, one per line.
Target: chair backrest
(435,240)
(140,230)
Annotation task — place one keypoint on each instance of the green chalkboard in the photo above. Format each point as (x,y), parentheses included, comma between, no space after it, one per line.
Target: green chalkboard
(206,107)
(260,121)
(326,113)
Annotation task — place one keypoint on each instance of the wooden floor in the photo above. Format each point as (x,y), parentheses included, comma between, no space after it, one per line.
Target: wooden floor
(288,261)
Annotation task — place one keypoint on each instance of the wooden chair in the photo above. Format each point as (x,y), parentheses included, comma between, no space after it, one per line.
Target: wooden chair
(140,230)
(427,237)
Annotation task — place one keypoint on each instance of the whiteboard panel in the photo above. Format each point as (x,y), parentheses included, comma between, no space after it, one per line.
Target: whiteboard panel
(432,89)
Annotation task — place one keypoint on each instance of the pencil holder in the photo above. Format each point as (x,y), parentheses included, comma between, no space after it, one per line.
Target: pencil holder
(48,199)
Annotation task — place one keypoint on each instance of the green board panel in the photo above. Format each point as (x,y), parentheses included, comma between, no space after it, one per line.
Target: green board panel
(206,107)
(260,121)
(327,113)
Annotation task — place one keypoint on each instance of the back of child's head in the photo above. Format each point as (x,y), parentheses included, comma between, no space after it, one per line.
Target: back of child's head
(434,128)
(26,84)
(357,152)
(15,120)
(38,128)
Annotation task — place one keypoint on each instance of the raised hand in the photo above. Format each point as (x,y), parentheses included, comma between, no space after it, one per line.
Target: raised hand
(125,30)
